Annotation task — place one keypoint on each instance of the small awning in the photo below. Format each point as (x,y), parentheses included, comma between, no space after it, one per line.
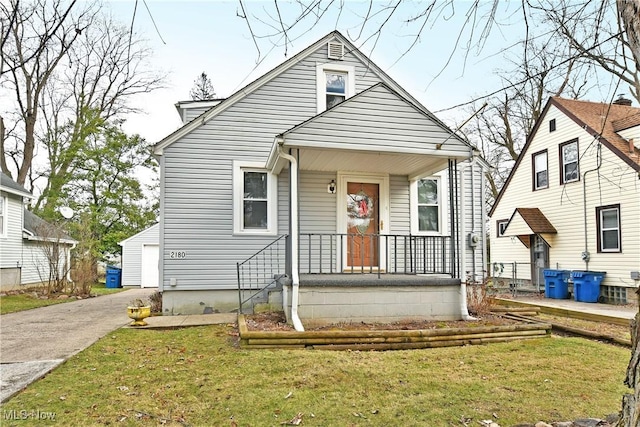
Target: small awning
(525,222)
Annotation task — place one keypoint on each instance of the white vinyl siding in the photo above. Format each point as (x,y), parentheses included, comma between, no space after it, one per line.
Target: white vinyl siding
(11,240)
(613,182)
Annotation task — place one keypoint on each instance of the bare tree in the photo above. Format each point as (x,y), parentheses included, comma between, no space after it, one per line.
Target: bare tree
(89,63)
(106,67)
(38,36)
(600,33)
(202,89)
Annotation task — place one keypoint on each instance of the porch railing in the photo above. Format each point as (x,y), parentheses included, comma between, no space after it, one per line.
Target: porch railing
(344,253)
(261,271)
(375,253)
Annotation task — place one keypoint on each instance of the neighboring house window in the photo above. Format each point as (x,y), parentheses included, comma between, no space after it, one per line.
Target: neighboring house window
(335,83)
(552,125)
(426,206)
(609,229)
(255,205)
(569,162)
(3,216)
(540,171)
(501,227)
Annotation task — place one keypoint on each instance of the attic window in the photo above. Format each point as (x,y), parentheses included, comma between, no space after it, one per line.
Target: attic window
(335,51)
(552,125)
(335,83)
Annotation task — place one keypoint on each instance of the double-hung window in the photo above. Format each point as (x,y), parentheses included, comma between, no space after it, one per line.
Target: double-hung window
(255,205)
(427,208)
(609,229)
(540,171)
(335,83)
(569,162)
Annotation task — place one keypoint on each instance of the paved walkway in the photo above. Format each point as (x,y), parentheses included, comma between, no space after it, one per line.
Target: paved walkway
(607,310)
(33,342)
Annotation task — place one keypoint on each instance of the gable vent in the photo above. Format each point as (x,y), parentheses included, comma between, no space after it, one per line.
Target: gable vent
(335,50)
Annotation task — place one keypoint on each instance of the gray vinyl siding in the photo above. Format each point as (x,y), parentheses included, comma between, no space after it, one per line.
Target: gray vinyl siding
(191,113)
(375,120)
(471,214)
(399,213)
(198,169)
(132,255)
(317,216)
(11,243)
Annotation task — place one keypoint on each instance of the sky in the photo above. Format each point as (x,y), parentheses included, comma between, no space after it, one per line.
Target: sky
(441,70)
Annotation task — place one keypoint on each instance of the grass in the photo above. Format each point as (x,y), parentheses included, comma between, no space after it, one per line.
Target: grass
(196,376)
(27,301)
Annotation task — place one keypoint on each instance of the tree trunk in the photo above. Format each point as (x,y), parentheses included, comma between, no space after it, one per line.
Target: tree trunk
(630,416)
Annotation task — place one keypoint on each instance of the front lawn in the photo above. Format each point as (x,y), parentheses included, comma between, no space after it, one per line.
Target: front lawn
(198,377)
(31,299)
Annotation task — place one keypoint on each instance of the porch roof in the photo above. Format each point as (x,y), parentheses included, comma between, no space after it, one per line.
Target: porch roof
(527,221)
(376,130)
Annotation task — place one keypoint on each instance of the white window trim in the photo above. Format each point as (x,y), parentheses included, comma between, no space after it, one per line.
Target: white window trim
(239,167)
(442,211)
(321,88)
(3,213)
(535,170)
(602,229)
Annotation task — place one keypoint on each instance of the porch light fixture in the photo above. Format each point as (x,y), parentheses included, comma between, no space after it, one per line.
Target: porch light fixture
(331,188)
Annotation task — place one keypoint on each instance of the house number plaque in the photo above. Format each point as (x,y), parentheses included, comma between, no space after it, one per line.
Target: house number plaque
(177,254)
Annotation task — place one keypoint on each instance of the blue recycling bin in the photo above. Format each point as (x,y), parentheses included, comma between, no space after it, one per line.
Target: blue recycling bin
(556,284)
(114,277)
(586,285)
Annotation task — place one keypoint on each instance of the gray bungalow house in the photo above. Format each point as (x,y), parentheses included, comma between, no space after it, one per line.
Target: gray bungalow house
(325,189)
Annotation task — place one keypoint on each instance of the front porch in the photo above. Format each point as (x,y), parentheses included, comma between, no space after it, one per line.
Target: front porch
(371,298)
(416,281)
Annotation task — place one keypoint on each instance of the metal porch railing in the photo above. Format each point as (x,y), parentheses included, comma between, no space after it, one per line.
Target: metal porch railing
(375,253)
(261,271)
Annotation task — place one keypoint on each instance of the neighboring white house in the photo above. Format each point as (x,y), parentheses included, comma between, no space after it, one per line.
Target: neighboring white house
(323,166)
(28,243)
(572,200)
(140,256)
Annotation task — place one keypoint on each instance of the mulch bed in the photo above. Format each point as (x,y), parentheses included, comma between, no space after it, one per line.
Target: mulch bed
(276,321)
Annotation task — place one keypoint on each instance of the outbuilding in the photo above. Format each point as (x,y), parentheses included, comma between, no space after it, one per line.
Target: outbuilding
(140,254)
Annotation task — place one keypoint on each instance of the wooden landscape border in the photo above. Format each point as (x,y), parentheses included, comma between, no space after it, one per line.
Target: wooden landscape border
(388,339)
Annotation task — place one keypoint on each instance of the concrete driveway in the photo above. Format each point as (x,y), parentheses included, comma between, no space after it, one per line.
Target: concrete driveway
(33,342)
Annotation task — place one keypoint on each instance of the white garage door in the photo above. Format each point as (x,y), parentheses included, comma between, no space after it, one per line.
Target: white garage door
(149,276)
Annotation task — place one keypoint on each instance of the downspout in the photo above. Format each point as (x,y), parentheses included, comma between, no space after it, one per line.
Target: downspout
(585,255)
(464,310)
(294,235)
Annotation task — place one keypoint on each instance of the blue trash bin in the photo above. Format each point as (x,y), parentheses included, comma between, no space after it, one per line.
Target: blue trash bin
(556,284)
(114,277)
(586,285)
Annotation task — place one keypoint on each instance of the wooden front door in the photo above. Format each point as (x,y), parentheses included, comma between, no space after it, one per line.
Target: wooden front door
(363,217)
